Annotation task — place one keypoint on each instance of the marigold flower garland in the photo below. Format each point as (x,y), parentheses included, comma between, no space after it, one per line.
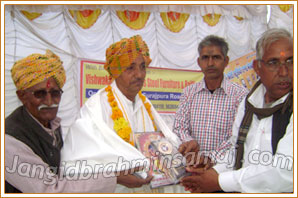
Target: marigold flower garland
(148,108)
(121,126)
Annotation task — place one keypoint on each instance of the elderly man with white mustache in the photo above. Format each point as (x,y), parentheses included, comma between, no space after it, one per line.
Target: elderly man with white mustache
(33,136)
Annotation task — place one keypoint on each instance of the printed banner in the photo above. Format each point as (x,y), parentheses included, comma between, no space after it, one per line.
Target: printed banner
(241,71)
(163,87)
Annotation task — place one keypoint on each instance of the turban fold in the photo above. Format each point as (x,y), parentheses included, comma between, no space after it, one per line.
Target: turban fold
(120,55)
(36,68)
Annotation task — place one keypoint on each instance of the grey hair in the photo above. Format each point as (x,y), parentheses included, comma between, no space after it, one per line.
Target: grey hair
(268,38)
(213,40)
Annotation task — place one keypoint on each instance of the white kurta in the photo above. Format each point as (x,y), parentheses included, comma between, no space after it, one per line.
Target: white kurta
(93,139)
(262,172)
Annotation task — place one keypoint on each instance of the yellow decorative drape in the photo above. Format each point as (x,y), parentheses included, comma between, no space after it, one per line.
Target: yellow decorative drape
(85,18)
(134,20)
(31,15)
(174,21)
(238,18)
(285,8)
(211,19)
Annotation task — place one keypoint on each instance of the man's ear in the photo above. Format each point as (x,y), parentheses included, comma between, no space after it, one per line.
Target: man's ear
(256,67)
(21,95)
(227,59)
(198,61)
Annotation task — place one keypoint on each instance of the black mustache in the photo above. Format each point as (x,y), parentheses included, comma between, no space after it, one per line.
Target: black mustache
(285,80)
(211,67)
(138,81)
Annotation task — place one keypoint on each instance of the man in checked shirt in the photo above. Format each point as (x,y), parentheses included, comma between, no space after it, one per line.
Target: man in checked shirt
(207,109)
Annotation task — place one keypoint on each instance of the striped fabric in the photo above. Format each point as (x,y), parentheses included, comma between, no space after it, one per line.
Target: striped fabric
(36,68)
(208,117)
(120,55)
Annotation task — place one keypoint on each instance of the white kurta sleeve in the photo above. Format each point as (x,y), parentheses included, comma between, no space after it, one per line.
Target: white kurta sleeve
(27,172)
(272,175)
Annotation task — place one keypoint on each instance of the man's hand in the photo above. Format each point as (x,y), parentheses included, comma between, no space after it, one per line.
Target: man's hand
(132,181)
(204,163)
(206,181)
(187,147)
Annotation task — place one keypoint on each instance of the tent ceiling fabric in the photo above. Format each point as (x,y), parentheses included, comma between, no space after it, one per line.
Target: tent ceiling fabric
(56,30)
(245,11)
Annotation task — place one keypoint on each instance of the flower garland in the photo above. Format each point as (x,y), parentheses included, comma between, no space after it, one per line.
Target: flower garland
(121,126)
(148,108)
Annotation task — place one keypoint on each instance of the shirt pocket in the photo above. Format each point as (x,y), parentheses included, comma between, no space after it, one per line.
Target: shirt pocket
(224,121)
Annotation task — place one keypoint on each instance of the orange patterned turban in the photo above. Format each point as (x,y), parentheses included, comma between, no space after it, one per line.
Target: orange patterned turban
(36,68)
(121,54)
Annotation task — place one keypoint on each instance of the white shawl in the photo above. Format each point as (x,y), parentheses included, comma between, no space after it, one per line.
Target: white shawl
(92,140)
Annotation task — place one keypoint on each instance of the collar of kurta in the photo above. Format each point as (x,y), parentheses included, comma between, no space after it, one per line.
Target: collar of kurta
(136,104)
(55,124)
(257,98)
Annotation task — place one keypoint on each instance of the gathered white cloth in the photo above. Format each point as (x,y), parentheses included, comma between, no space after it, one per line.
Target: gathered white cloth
(262,172)
(92,138)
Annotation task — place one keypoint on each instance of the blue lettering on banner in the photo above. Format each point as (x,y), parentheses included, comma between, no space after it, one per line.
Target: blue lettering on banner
(239,70)
(90,92)
(169,96)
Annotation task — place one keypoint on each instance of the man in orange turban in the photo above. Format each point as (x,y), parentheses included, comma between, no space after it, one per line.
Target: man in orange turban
(110,117)
(120,55)
(33,132)
(35,68)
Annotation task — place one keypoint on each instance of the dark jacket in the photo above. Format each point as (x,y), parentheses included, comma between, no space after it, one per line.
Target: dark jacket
(24,128)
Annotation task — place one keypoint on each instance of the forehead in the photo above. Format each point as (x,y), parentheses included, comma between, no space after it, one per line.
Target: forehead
(139,60)
(280,48)
(48,83)
(211,50)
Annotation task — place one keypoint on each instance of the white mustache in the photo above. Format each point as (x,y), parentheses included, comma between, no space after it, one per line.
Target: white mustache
(46,106)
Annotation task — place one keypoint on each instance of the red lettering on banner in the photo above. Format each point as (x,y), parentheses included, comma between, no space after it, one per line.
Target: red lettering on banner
(152,83)
(169,84)
(188,82)
(97,80)
(182,85)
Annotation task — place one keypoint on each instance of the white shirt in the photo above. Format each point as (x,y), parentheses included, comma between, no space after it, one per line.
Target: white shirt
(261,172)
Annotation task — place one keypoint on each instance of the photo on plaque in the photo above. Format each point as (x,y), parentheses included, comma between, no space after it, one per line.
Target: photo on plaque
(167,165)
